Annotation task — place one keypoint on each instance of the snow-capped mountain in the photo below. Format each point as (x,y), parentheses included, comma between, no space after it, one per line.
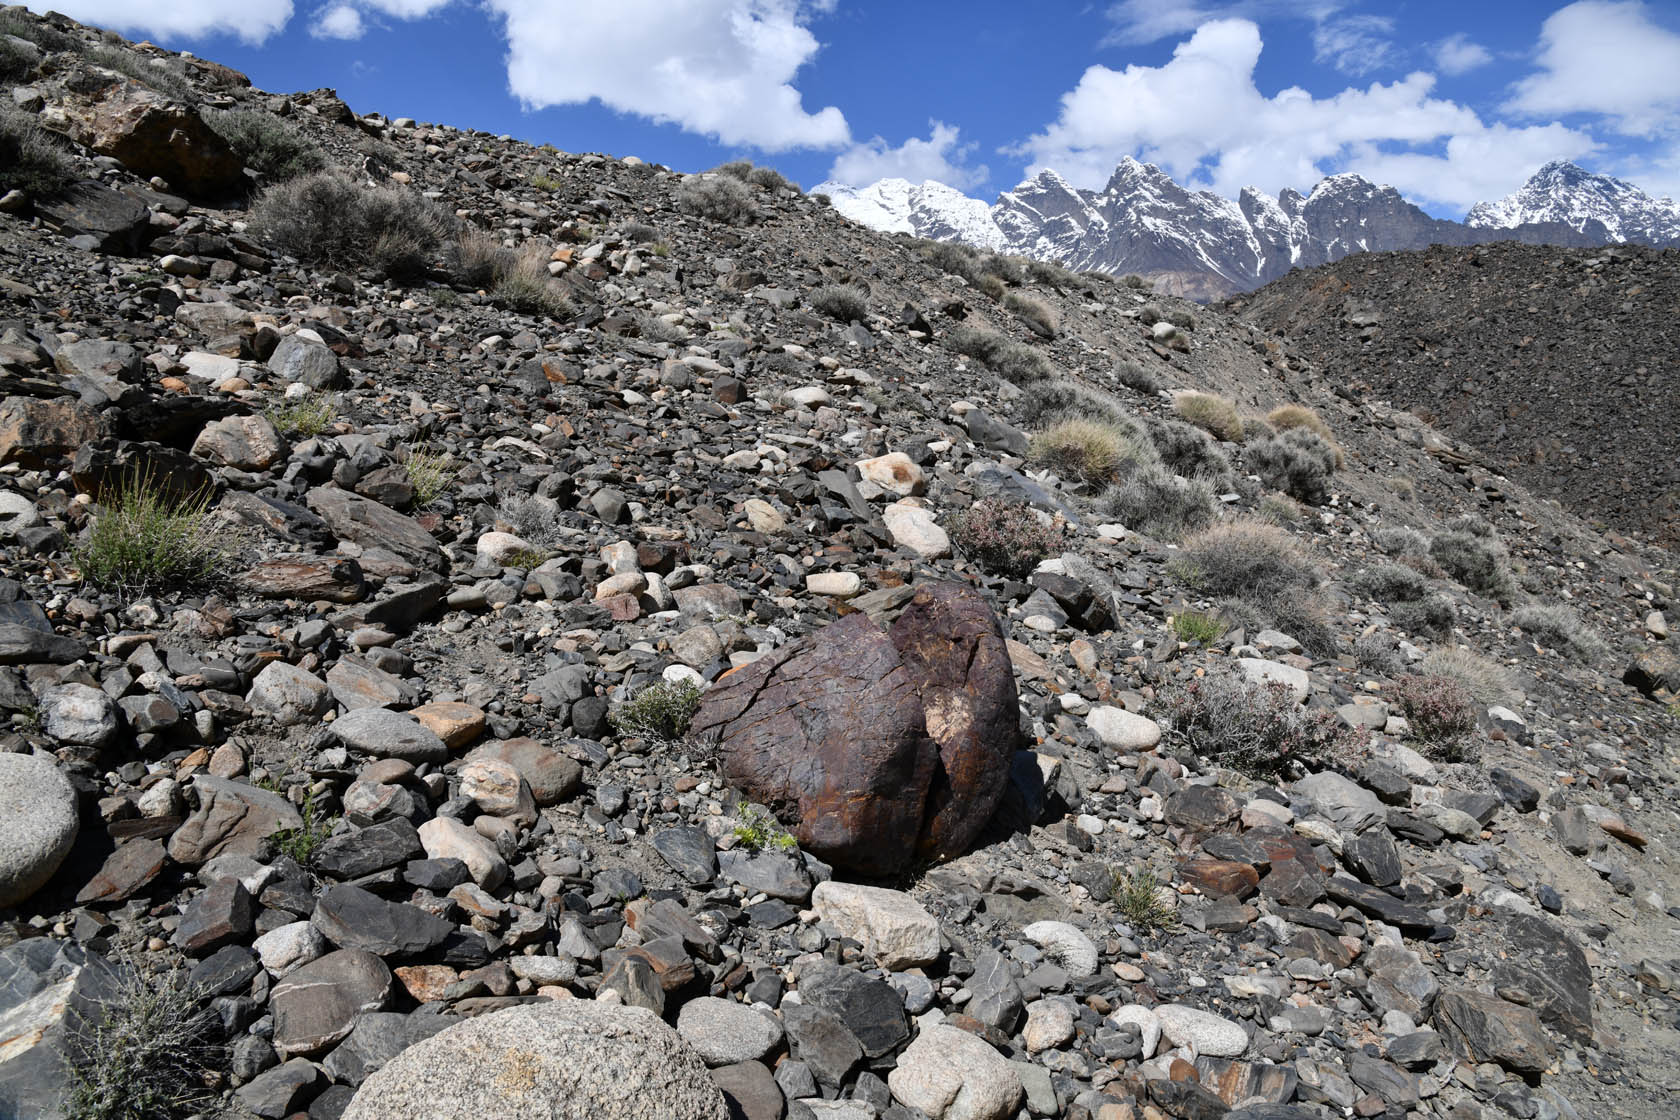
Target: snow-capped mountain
(1206,245)
(1594,204)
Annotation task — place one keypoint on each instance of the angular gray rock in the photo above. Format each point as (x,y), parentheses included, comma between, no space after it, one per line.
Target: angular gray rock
(382,733)
(724,1032)
(316,1006)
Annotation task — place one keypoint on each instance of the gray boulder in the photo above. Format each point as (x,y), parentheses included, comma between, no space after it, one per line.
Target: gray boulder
(38,823)
(568,1058)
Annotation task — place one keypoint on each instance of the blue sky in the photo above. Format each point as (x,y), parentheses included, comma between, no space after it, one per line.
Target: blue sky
(1451,102)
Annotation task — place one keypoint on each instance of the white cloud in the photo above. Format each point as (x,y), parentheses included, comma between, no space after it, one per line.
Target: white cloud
(1148,21)
(1201,117)
(1457,54)
(1605,56)
(940,157)
(341,21)
(1356,45)
(722,68)
(250,20)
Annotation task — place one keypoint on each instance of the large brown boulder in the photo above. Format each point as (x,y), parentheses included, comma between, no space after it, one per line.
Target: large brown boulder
(149,133)
(877,747)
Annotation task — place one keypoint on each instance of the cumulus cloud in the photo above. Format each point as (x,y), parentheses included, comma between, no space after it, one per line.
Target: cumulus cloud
(1457,54)
(1201,117)
(1608,57)
(341,21)
(1149,21)
(941,157)
(1356,45)
(252,21)
(721,68)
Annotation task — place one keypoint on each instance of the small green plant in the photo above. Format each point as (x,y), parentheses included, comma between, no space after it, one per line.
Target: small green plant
(431,473)
(1138,894)
(758,831)
(300,843)
(1440,712)
(1197,626)
(844,303)
(1212,414)
(303,417)
(1006,538)
(144,1051)
(145,539)
(524,559)
(660,711)
(546,183)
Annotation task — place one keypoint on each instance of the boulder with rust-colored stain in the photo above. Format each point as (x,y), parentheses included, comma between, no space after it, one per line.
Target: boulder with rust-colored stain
(150,134)
(954,647)
(878,748)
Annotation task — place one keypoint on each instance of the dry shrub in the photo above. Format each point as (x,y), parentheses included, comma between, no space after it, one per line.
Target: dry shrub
(1210,413)
(1005,538)
(1488,682)
(1244,557)
(327,219)
(1257,729)
(1091,452)
(1034,312)
(1290,416)
(1154,501)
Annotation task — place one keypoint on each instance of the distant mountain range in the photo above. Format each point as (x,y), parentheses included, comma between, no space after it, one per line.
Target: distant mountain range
(1202,245)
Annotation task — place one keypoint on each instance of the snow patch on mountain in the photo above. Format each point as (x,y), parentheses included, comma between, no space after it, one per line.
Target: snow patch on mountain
(930,209)
(1590,203)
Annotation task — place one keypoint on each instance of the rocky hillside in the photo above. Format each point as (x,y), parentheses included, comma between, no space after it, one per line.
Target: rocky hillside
(1551,363)
(494,631)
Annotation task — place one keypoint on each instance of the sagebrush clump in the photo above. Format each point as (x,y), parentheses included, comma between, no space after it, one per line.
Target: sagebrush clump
(1257,729)
(1189,451)
(1068,400)
(327,219)
(718,197)
(1135,377)
(1005,538)
(1244,557)
(30,160)
(1488,682)
(525,285)
(845,303)
(267,143)
(1474,559)
(1011,360)
(1297,461)
(1037,314)
(1558,627)
(1154,501)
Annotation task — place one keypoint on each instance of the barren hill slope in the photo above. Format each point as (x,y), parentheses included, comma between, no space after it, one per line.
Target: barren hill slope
(501,631)
(1558,364)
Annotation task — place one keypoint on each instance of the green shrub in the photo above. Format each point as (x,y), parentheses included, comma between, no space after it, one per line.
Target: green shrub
(1257,729)
(1475,560)
(30,160)
(1197,626)
(1142,900)
(303,417)
(1135,377)
(1210,413)
(1051,275)
(326,219)
(757,831)
(546,182)
(300,843)
(660,711)
(1034,312)
(1090,451)
(1298,461)
(844,303)
(267,143)
(717,197)
(1487,682)
(430,473)
(1439,711)
(1154,501)
(1005,538)
(143,539)
(1011,360)
(1244,557)
(1560,628)
(145,1051)
(740,169)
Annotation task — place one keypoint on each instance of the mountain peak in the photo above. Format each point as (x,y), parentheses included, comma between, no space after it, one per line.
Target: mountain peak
(1563,192)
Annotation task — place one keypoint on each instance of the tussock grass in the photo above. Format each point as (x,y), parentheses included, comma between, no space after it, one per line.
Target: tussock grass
(1210,413)
(1089,451)
(143,540)
(1244,557)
